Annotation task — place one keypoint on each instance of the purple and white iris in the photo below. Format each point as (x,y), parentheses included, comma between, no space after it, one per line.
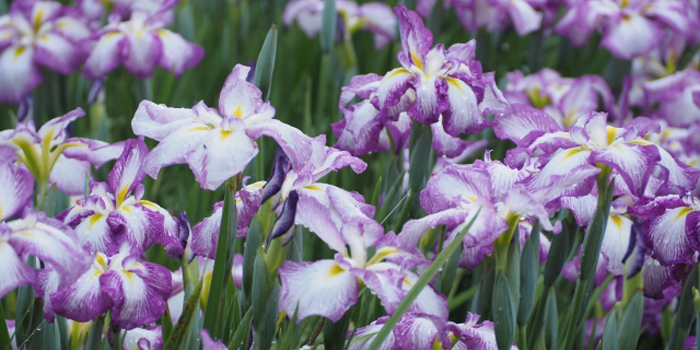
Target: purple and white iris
(374,16)
(36,34)
(140,43)
(114,213)
(217,144)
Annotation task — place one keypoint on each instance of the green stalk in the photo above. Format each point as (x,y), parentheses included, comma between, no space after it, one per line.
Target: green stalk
(418,287)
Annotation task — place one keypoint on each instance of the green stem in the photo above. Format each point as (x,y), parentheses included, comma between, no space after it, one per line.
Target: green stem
(503,242)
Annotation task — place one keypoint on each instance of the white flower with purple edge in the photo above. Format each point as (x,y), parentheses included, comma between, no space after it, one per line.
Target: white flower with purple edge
(217,144)
(114,213)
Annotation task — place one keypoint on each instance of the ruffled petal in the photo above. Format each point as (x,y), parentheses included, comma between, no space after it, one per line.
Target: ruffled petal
(127,172)
(463,115)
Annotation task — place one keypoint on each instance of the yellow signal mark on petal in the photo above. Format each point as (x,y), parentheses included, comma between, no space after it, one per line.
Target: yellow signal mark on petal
(238,112)
(313,187)
(335,271)
(199,128)
(416,61)
(617,221)
(129,275)
(162,32)
(612,133)
(407,282)
(226,133)
(94,219)
(122,194)
(101,259)
(455,83)
(37,20)
(398,71)
(19,50)
(381,254)
(682,213)
(111,34)
(571,153)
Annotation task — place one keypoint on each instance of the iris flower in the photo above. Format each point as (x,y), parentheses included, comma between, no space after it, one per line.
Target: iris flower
(32,234)
(114,212)
(36,34)
(140,43)
(438,81)
(135,291)
(217,144)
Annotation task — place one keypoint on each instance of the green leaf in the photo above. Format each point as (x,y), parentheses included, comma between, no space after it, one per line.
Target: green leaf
(335,334)
(423,281)
(610,334)
(503,312)
(551,323)
(557,256)
(177,336)
(242,330)
(252,242)
(529,273)
(223,262)
(4,334)
(167,323)
(328,23)
(686,314)
(94,338)
(265,301)
(419,163)
(265,66)
(631,322)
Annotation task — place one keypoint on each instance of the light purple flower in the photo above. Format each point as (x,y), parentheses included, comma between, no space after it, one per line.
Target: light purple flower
(671,229)
(140,43)
(135,291)
(44,238)
(217,144)
(205,234)
(32,36)
(336,281)
(629,28)
(437,81)
(16,186)
(208,343)
(374,16)
(114,213)
(677,95)
(497,15)
(564,99)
